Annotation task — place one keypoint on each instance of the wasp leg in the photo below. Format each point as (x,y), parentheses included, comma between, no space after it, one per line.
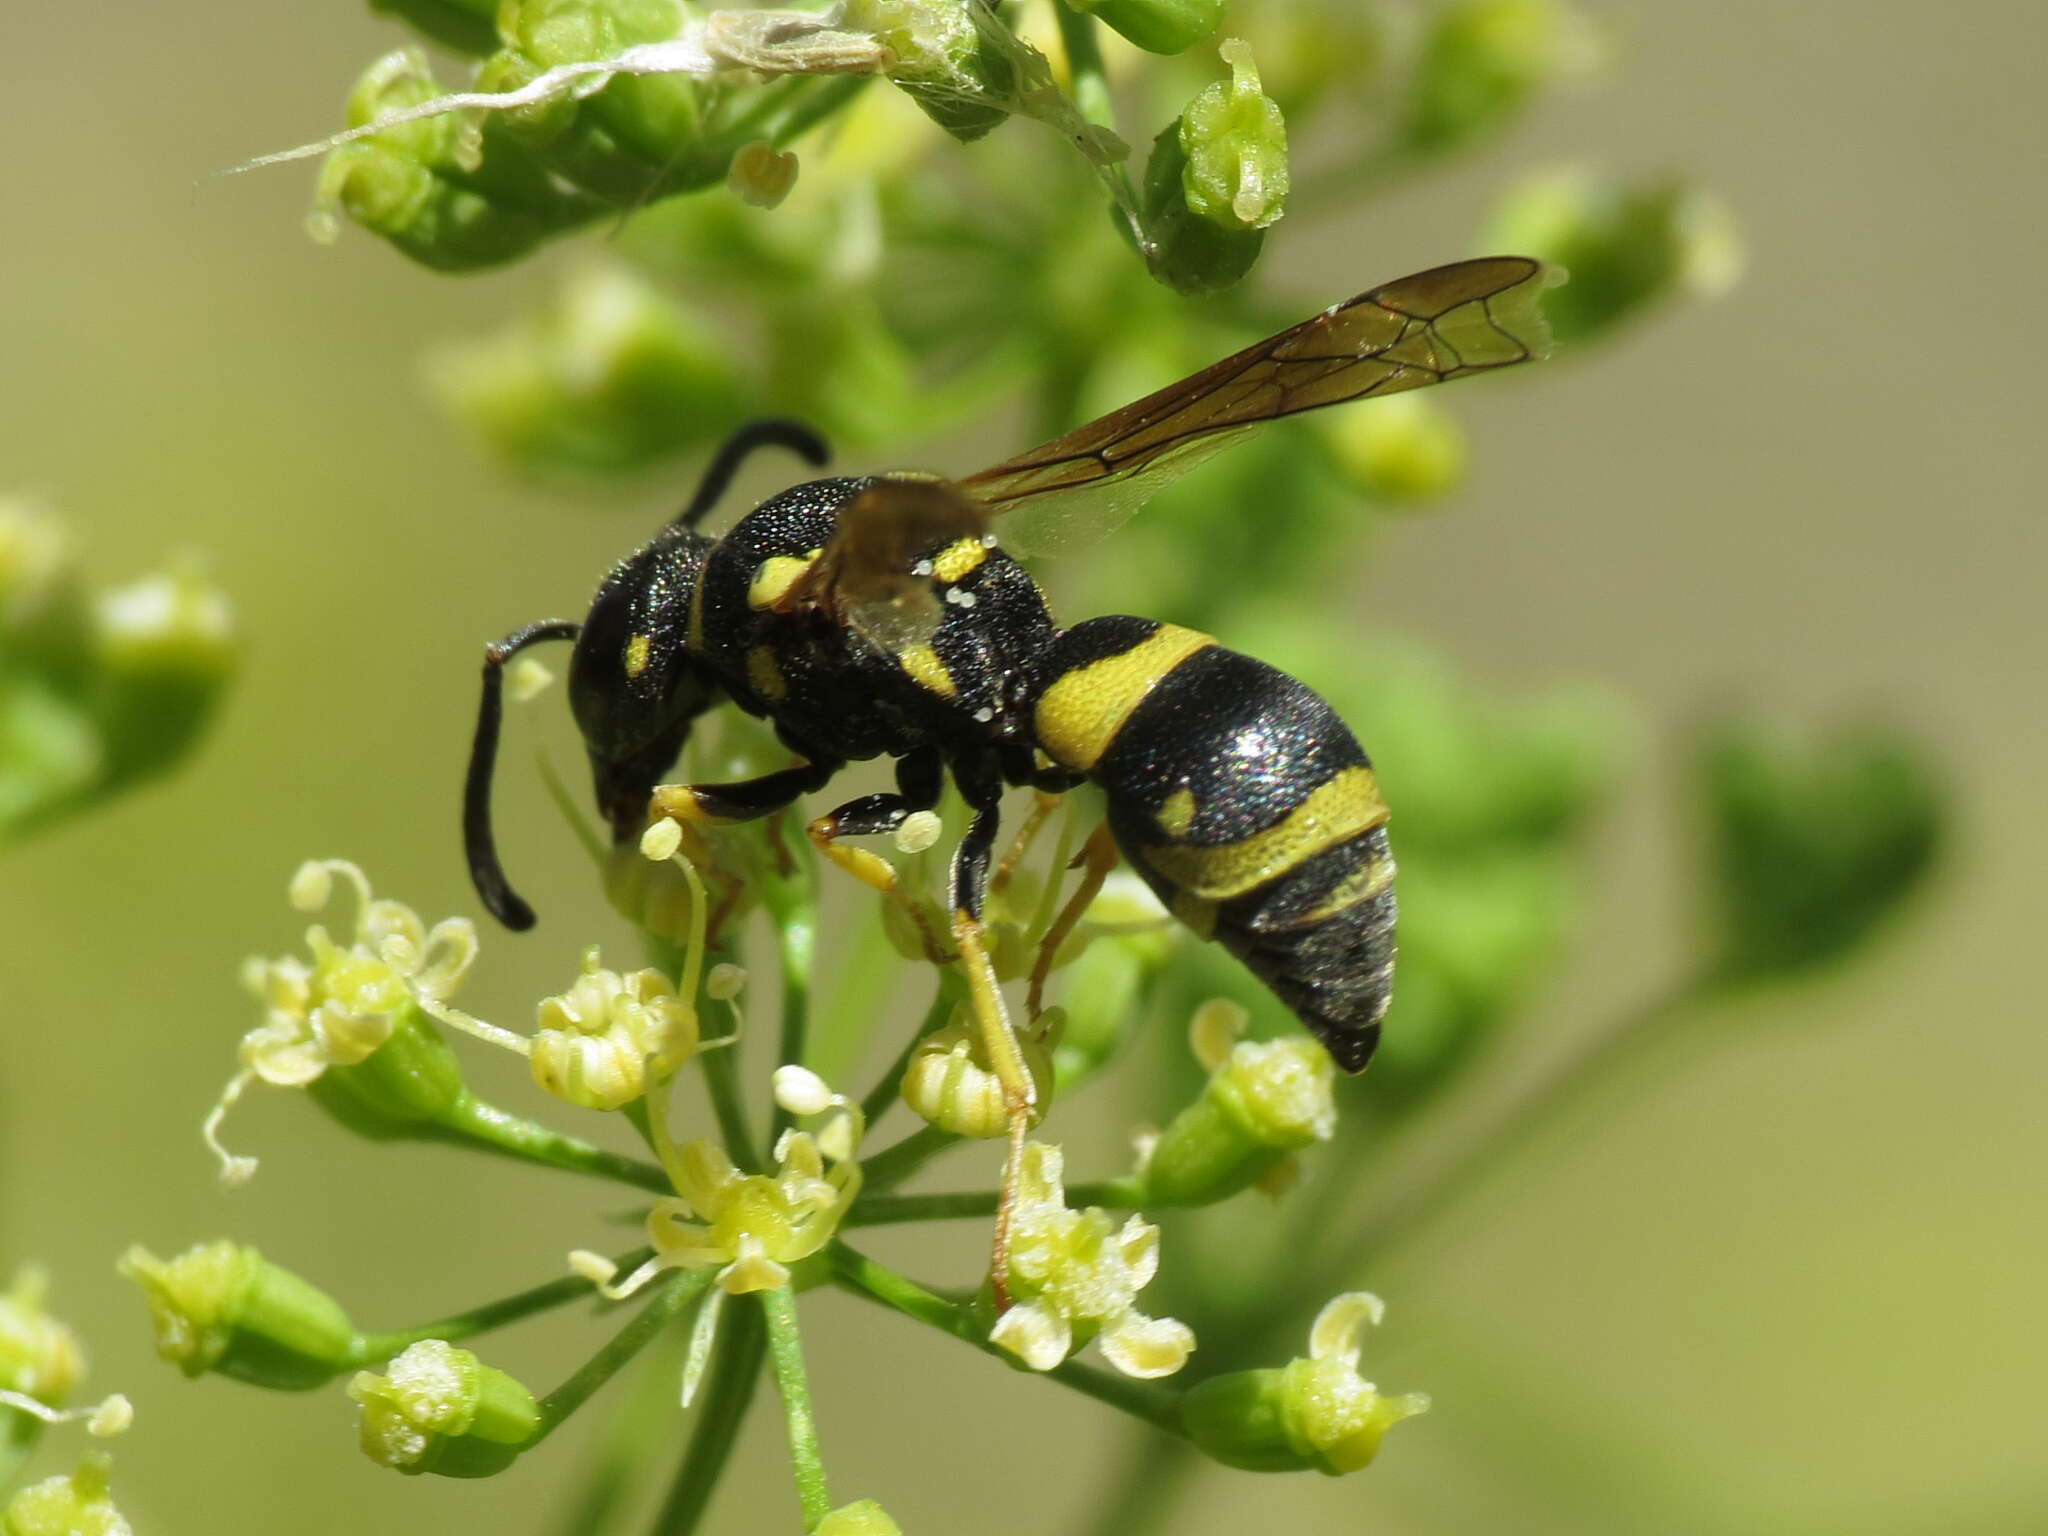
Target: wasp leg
(991,1019)
(1043,805)
(918,782)
(1095,860)
(742,800)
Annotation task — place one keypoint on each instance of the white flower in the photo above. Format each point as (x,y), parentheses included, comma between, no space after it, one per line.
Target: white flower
(1073,1276)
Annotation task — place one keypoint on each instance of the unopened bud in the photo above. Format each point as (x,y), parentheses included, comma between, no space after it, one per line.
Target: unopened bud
(1235,140)
(440,1409)
(1315,1412)
(950,1083)
(761,175)
(1268,1098)
(223,1307)
(412,1081)
(1158,26)
(39,1356)
(865,1518)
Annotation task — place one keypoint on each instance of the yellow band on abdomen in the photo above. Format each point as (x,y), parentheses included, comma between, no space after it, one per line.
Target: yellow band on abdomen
(1079,715)
(1336,810)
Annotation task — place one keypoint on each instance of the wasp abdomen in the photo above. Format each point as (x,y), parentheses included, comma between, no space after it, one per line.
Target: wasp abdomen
(1246,805)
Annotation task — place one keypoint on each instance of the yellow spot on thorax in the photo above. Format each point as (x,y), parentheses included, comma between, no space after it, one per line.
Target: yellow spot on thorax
(774,577)
(1178,814)
(1080,714)
(1338,809)
(959,558)
(922,663)
(637,650)
(765,673)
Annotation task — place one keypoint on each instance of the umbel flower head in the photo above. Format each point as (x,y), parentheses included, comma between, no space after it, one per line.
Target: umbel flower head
(440,1409)
(341,1007)
(598,1043)
(752,1226)
(1073,1276)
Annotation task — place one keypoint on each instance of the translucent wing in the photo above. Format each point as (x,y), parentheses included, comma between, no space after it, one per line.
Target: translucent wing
(875,573)
(1469,317)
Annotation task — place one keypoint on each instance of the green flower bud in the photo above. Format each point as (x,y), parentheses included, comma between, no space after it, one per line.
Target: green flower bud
(412,1081)
(1263,1100)
(612,375)
(430,188)
(39,1357)
(78,1505)
(1157,26)
(1236,145)
(950,1084)
(1188,253)
(166,645)
(440,1409)
(1812,848)
(467,26)
(959,75)
(864,1518)
(1316,1412)
(1627,247)
(1481,61)
(223,1307)
(44,621)
(1406,449)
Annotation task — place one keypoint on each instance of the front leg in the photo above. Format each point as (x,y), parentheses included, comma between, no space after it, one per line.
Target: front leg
(918,781)
(741,800)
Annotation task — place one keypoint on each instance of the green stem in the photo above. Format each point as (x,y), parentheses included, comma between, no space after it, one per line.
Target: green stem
(1090,82)
(792,902)
(640,1425)
(884,1210)
(722,1083)
(473,1123)
(861,1275)
(786,1360)
(672,1294)
(735,1371)
(890,1088)
(892,1165)
(368,1347)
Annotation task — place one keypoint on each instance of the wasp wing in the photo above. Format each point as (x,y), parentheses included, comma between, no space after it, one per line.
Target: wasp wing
(1468,317)
(875,573)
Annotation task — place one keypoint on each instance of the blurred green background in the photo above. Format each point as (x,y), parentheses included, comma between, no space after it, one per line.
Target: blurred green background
(1796,1289)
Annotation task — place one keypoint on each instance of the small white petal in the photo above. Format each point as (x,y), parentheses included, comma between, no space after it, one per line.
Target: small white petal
(1034,1334)
(1334,1334)
(801,1091)
(1147,1347)
(1214,1030)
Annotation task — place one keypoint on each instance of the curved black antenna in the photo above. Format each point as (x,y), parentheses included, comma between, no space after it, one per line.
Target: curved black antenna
(480,847)
(769,432)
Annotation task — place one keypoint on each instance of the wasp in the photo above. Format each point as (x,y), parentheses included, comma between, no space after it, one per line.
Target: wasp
(880,616)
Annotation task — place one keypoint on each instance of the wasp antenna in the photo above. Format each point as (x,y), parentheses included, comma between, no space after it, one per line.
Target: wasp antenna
(481,848)
(769,432)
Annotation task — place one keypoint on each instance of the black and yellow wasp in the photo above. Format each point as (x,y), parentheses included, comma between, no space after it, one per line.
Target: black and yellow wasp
(875,616)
